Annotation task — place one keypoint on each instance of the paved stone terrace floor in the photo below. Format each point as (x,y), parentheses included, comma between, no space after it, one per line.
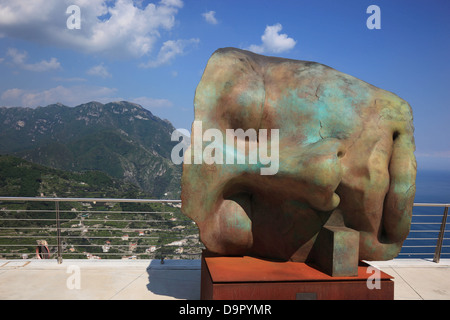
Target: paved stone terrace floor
(414,279)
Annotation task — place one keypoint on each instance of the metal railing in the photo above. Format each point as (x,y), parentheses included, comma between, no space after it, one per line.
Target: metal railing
(427,234)
(161,236)
(117,232)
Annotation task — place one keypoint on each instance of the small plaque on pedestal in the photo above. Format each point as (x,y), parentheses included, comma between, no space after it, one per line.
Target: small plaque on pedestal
(247,278)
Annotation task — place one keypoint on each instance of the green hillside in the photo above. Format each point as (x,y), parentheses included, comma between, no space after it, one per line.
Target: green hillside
(20,178)
(121,139)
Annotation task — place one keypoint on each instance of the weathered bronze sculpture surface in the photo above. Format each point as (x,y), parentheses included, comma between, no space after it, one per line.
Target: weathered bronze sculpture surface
(346,160)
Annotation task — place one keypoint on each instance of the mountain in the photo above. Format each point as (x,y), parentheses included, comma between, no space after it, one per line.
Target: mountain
(21,178)
(120,139)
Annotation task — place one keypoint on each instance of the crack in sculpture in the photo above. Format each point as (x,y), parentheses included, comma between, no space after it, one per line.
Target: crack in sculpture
(359,165)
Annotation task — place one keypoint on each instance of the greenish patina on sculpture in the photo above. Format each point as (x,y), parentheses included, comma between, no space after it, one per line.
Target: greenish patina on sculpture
(346,149)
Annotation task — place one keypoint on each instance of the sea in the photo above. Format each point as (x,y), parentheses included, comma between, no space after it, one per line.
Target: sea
(431,187)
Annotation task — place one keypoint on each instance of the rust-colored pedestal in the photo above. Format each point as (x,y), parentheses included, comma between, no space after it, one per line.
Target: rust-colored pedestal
(247,278)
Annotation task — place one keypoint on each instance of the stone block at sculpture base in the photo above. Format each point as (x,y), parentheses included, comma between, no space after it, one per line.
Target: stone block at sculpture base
(247,278)
(336,251)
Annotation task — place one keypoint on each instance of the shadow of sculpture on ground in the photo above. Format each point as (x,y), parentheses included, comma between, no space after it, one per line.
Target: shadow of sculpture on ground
(173,279)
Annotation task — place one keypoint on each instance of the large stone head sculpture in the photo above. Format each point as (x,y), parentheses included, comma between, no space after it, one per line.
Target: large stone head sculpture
(341,151)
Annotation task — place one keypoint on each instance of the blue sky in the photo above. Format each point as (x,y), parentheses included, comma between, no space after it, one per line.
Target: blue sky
(154,52)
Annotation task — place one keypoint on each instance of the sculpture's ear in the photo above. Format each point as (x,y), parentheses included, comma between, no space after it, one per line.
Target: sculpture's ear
(402,171)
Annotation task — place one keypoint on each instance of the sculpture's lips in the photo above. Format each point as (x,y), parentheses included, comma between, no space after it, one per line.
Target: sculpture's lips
(285,187)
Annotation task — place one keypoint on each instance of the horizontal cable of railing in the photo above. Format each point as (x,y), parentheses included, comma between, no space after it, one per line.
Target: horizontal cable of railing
(115,200)
(163,239)
(415,234)
(427,233)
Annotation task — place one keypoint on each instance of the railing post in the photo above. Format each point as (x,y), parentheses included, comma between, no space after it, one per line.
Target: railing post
(437,253)
(58,232)
(162,243)
(162,254)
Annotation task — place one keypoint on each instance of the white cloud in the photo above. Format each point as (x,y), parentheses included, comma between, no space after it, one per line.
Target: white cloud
(169,51)
(174,3)
(100,71)
(435,154)
(70,96)
(151,103)
(19,59)
(12,95)
(273,41)
(210,17)
(73,96)
(121,28)
(73,79)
